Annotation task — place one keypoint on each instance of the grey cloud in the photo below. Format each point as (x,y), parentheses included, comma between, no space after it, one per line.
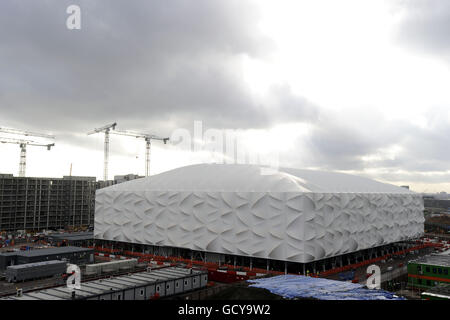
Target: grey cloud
(153,61)
(290,107)
(339,141)
(425,27)
(415,176)
(159,65)
(339,144)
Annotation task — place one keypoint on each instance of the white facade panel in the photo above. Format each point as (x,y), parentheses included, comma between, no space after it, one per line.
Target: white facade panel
(298,226)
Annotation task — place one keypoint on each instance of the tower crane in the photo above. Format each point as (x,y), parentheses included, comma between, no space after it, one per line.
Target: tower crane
(25,133)
(106,129)
(147,137)
(23,150)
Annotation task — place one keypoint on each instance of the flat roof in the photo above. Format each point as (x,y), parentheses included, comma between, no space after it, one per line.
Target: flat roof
(35,264)
(50,251)
(435,260)
(80,237)
(24,297)
(103,286)
(46,251)
(7,254)
(72,236)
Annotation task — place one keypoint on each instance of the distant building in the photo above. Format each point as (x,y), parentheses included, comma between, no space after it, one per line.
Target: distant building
(142,285)
(438,196)
(72,254)
(28,203)
(435,203)
(117,179)
(406,187)
(429,271)
(103,184)
(125,178)
(77,239)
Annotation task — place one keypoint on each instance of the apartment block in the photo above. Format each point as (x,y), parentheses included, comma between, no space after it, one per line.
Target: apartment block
(28,203)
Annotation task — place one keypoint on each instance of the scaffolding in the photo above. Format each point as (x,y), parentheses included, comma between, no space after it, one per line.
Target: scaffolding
(28,203)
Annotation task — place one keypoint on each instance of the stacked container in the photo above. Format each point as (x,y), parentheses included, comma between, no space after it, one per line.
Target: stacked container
(35,270)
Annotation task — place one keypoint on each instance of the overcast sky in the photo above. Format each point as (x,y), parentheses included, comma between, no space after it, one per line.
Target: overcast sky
(353,86)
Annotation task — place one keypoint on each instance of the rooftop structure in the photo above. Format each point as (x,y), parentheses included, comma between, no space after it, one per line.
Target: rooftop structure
(429,271)
(71,237)
(35,264)
(127,177)
(72,254)
(434,260)
(52,251)
(135,286)
(289,215)
(29,271)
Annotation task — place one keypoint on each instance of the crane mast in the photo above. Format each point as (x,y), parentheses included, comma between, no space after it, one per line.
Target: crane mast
(23,159)
(23,144)
(147,137)
(105,129)
(23,151)
(147,156)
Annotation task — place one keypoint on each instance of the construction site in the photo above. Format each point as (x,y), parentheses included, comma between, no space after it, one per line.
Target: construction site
(211,232)
(33,204)
(36,204)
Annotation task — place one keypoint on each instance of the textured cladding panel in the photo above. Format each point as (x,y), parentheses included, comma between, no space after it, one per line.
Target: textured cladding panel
(298,227)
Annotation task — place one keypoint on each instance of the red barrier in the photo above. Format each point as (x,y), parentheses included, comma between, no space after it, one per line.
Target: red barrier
(231,268)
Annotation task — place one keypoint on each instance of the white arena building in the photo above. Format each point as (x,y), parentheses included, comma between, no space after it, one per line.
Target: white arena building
(289,215)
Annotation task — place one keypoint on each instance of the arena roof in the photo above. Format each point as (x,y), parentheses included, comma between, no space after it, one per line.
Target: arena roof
(254,178)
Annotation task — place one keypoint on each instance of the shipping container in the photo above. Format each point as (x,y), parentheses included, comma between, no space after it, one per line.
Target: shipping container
(36,270)
(111,266)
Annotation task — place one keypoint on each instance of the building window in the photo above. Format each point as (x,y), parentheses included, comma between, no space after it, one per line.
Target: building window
(428,269)
(194,281)
(439,270)
(142,292)
(419,268)
(157,288)
(446,271)
(167,287)
(185,282)
(177,284)
(434,270)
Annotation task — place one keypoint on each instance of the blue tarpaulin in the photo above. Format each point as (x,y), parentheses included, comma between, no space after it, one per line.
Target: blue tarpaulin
(293,286)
